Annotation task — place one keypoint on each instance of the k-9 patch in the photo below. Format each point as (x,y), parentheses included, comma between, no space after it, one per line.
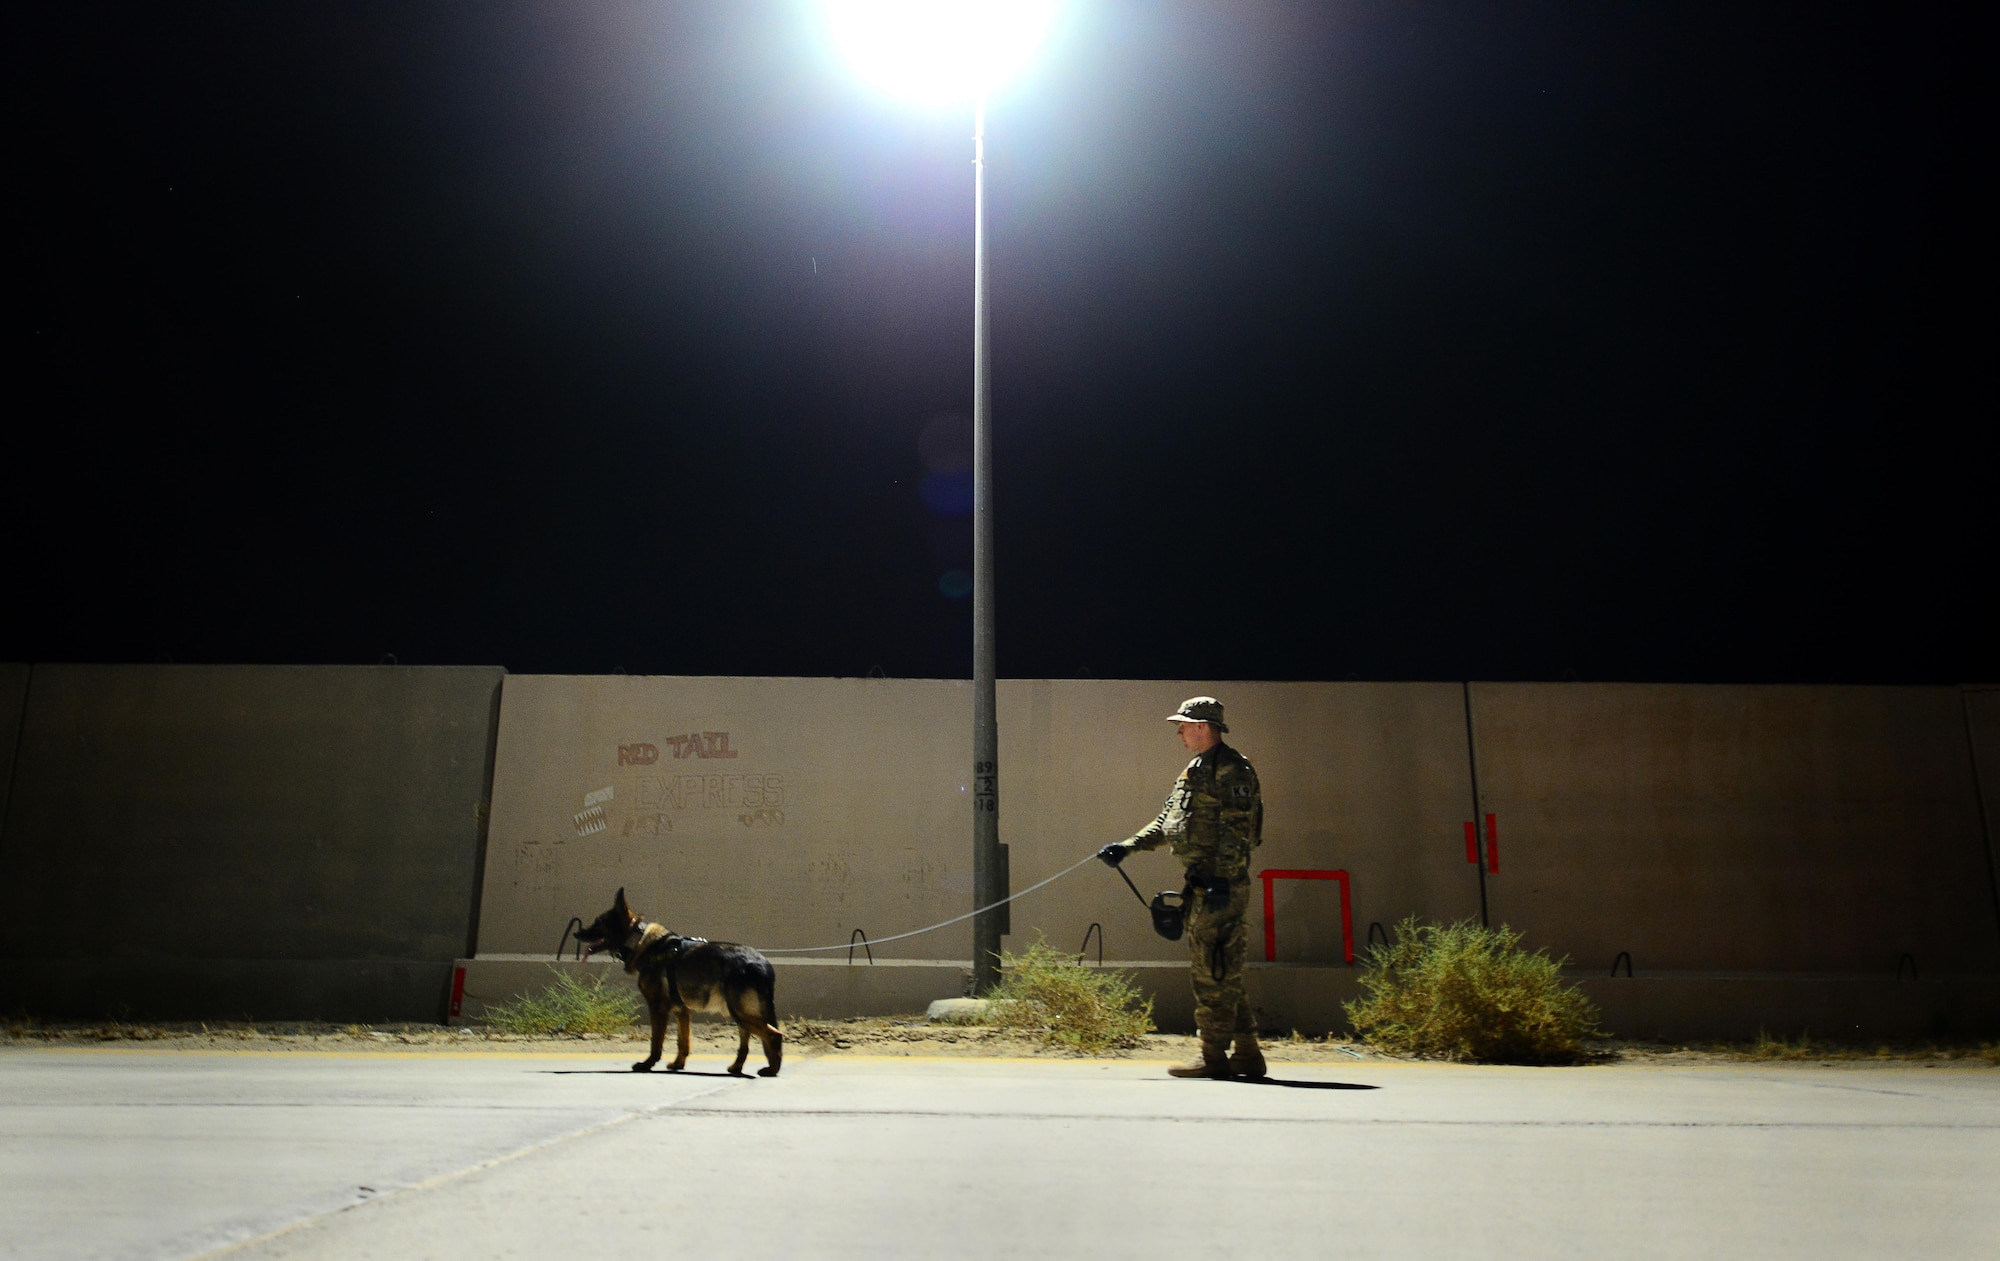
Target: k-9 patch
(1241,792)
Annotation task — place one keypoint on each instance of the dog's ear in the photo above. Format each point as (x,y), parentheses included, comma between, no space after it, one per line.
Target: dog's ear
(618,906)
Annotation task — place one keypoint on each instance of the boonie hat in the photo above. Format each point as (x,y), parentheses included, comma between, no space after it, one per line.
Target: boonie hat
(1200,709)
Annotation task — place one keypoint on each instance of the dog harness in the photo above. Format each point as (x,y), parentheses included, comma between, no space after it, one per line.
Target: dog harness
(667,951)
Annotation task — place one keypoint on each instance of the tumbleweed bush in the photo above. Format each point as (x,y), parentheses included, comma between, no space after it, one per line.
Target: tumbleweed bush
(1073,1007)
(570,1006)
(1466,992)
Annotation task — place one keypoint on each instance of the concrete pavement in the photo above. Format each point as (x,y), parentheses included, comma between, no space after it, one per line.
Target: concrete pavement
(127,1153)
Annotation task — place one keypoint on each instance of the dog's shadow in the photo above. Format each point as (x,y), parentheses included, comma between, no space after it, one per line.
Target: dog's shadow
(1305,1085)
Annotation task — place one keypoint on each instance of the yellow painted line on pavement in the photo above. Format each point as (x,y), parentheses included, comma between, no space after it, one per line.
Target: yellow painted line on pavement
(285,1053)
(801,1056)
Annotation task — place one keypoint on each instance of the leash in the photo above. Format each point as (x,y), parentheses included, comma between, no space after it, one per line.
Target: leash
(1128,884)
(959,919)
(1169,918)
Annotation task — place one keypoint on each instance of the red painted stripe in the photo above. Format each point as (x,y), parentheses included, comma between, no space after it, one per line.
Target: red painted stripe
(1346,922)
(1271,907)
(1492,845)
(1270,922)
(1471,843)
(457,989)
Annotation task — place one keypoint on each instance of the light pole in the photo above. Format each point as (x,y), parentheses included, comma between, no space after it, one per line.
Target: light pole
(989,872)
(941,51)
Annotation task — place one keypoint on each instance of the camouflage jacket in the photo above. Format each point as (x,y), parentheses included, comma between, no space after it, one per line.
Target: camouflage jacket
(1213,818)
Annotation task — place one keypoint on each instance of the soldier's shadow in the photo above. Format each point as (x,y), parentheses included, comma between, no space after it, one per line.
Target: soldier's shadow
(626,1072)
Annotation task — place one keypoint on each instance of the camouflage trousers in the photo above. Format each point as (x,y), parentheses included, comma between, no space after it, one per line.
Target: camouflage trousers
(1218,946)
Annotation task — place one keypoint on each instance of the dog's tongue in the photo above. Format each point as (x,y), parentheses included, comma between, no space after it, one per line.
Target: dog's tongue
(589,951)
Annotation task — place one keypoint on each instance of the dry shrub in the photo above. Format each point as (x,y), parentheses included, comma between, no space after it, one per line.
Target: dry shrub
(1466,992)
(806,1030)
(1770,1048)
(1043,991)
(569,1006)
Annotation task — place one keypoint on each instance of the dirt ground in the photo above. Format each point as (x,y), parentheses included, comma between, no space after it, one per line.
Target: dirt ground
(910,1036)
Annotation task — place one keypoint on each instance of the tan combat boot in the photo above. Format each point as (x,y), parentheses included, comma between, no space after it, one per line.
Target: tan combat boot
(1247,1059)
(1214,1062)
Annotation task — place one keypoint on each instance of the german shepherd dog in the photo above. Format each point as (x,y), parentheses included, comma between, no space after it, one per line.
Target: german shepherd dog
(679,974)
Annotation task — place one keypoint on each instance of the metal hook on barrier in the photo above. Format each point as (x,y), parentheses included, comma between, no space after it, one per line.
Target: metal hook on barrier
(864,945)
(575,925)
(1912,961)
(1626,956)
(1375,926)
(1084,949)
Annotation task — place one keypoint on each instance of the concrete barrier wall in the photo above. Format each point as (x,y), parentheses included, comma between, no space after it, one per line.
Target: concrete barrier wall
(13,696)
(307,842)
(775,811)
(788,812)
(200,842)
(1982,733)
(1765,829)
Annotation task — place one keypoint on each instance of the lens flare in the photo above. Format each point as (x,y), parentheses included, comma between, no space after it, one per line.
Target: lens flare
(948,494)
(938,51)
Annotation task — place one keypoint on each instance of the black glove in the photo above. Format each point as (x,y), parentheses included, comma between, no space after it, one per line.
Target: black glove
(1114,853)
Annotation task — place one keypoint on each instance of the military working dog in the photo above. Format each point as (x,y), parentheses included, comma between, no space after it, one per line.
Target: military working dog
(678,975)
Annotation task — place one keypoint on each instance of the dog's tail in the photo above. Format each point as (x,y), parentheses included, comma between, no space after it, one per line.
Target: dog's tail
(767,989)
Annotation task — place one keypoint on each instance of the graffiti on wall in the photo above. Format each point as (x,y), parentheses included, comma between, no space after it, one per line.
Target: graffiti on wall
(710,792)
(701,744)
(589,821)
(649,800)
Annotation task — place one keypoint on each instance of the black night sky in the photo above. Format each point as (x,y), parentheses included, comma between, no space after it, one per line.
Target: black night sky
(1382,340)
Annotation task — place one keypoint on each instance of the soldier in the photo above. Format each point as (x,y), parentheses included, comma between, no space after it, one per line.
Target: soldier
(1213,819)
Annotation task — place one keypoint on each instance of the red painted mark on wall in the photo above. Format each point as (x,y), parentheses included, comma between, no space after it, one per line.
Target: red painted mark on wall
(1271,910)
(1492,844)
(694,744)
(457,989)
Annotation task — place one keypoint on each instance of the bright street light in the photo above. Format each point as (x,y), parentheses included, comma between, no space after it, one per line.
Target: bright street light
(937,52)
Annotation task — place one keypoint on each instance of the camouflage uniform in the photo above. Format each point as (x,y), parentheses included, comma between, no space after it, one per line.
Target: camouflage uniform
(1213,819)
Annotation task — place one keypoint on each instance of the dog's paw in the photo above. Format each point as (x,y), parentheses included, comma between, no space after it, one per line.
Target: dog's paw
(767,1071)
(676,1066)
(644,1066)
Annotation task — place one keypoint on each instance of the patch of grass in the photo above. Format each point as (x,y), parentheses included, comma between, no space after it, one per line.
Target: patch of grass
(569,1006)
(1770,1048)
(1044,991)
(1470,993)
(1806,1047)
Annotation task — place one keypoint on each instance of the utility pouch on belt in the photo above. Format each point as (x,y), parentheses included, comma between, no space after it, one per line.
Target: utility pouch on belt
(1168,917)
(1215,895)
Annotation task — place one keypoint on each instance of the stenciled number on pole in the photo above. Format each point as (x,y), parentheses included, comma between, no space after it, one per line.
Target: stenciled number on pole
(985,788)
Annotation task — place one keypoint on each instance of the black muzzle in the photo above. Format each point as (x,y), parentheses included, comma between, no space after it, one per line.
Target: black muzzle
(1168,908)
